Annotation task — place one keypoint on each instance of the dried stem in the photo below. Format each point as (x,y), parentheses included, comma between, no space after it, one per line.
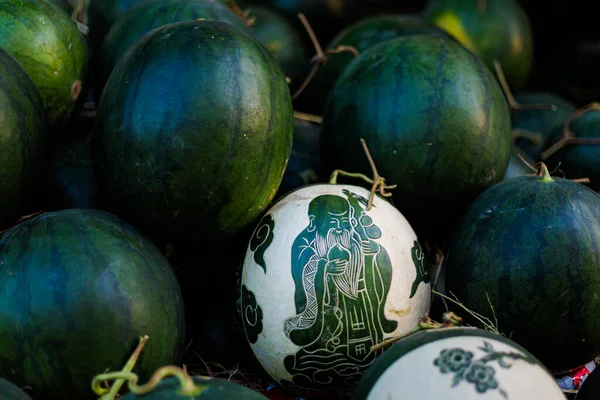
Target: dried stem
(568,135)
(22,219)
(485,321)
(320,57)
(512,102)
(533,137)
(308,117)
(526,162)
(243,14)
(481,6)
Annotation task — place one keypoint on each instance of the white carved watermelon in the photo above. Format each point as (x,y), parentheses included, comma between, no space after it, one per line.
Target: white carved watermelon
(324,280)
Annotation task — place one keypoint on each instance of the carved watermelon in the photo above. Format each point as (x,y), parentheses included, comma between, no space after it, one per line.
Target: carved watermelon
(324,280)
(457,364)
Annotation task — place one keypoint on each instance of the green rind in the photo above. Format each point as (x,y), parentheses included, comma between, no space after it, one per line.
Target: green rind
(215,389)
(362,35)
(579,160)
(413,342)
(282,40)
(8,391)
(590,388)
(47,43)
(534,248)
(500,32)
(542,122)
(79,287)
(194,131)
(101,14)
(23,139)
(150,14)
(441,144)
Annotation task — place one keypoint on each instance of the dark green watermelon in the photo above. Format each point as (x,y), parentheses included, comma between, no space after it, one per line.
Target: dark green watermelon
(441,144)
(590,388)
(499,31)
(542,122)
(193,132)
(8,391)
(70,181)
(150,14)
(533,245)
(362,35)
(579,160)
(214,389)
(79,287)
(516,165)
(23,139)
(51,50)
(283,40)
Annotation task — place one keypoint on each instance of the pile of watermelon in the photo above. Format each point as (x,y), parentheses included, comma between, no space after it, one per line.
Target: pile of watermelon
(219,199)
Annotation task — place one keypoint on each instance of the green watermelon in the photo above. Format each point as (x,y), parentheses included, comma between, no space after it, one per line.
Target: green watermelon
(542,122)
(590,388)
(579,160)
(22,141)
(150,14)
(79,287)
(193,132)
(532,244)
(441,144)
(457,364)
(70,181)
(47,43)
(362,35)
(493,29)
(516,165)
(283,40)
(8,391)
(214,389)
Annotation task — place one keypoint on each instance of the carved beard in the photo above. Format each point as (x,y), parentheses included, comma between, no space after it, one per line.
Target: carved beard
(323,244)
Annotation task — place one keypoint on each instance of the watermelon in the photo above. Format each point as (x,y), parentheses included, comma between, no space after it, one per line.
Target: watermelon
(79,287)
(8,391)
(193,132)
(541,122)
(214,389)
(23,139)
(457,364)
(579,160)
(324,279)
(283,40)
(590,388)
(516,165)
(493,29)
(47,43)
(70,181)
(532,244)
(441,144)
(150,14)
(362,35)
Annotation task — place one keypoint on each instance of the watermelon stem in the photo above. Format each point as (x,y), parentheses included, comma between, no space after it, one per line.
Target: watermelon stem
(487,323)
(320,57)
(568,135)
(450,320)
(377,183)
(114,390)
(533,137)
(512,102)
(544,173)
(243,14)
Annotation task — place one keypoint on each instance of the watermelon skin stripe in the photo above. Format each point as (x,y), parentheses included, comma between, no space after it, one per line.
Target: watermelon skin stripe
(223,112)
(48,45)
(435,120)
(23,139)
(65,322)
(534,248)
(148,15)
